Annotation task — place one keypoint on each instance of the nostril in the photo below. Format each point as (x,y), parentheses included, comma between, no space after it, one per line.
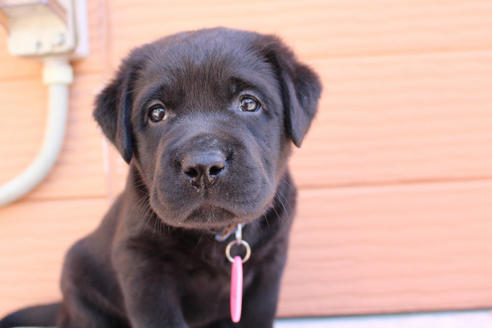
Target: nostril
(191,172)
(204,168)
(215,170)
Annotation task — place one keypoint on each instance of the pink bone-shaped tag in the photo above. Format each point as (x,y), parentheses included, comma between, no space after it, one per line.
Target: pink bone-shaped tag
(236,289)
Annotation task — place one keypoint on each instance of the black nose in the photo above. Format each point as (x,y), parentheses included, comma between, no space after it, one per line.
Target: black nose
(202,169)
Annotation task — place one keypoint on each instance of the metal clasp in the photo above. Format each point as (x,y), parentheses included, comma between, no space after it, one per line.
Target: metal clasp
(239,242)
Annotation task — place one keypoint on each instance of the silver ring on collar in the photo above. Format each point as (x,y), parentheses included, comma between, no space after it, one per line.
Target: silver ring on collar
(239,242)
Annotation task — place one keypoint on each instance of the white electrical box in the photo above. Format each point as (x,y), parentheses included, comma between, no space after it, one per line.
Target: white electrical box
(46,27)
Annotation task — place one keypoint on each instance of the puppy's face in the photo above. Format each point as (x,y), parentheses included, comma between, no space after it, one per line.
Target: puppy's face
(209,134)
(207,118)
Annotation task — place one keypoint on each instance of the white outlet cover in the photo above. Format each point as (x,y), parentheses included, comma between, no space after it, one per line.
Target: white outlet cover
(35,30)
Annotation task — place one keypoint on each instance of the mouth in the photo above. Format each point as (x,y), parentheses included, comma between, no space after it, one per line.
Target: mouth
(204,216)
(210,216)
(204,213)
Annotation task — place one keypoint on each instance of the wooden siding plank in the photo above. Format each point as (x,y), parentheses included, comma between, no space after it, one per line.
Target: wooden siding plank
(388,249)
(400,118)
(316,28)
(34,238)
(353,250)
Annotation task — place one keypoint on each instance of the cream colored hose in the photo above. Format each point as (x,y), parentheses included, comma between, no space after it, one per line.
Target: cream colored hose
(57,75)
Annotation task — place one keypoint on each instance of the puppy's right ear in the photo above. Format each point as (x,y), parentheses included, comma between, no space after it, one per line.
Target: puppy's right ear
(113,109)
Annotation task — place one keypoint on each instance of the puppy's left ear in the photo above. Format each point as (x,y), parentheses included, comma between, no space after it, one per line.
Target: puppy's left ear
(113,109)
(300,87)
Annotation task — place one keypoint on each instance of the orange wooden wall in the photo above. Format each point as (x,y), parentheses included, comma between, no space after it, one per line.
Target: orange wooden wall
(395,175)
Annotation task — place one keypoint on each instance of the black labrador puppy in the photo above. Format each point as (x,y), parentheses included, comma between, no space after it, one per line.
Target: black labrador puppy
(205,120)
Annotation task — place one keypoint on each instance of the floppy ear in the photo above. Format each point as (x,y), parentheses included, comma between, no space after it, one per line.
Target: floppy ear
(113,109)
(300,87)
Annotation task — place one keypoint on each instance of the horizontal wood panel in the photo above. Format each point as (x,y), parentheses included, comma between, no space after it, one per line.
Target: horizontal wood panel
(353,250)
(21,124)
(402,248)
(34,238)
(79,170)
(400,118)
(315,28)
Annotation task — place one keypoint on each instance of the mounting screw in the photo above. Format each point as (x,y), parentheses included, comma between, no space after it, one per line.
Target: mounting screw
(38,45)
(59,40)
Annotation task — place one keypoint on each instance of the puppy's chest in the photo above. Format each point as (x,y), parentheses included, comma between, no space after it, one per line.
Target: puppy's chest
(206,292)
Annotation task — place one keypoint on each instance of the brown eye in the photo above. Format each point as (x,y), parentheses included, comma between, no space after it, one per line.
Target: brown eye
(157,113)
(249,104)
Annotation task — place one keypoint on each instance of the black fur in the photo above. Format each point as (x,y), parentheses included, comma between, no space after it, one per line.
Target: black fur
(153,261)
(41,315)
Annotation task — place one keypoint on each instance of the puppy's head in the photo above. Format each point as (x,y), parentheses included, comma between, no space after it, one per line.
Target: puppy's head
(207,119)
